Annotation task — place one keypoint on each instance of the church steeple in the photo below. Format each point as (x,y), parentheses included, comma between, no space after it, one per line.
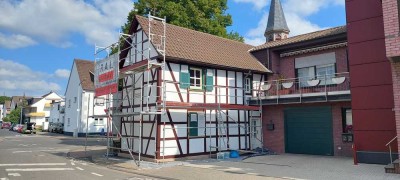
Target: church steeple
(277,27)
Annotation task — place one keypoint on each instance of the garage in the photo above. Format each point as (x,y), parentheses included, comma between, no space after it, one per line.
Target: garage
(308,130)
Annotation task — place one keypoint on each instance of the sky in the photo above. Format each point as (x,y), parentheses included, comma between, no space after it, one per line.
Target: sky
(39,39)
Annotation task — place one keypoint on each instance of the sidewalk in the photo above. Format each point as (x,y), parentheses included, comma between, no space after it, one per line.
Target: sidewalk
(285,166)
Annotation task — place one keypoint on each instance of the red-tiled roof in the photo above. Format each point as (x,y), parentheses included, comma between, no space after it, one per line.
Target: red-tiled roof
(302,38)
(197,47)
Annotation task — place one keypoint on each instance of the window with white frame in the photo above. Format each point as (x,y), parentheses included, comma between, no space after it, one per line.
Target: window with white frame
(247,85)
(305,74)
(75,99)
(325,73)
(195,78)
(98,121)
(69,103)
(68,121)
(321,67)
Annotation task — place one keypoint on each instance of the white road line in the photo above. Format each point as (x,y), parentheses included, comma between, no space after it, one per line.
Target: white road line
(72,163)
(79,168)
(3,178)
(35,164)
(14,174)
(97,174)
(21,152)
(40,169)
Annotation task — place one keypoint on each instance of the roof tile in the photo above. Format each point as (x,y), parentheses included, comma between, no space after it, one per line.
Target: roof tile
(193,46)
(301,38)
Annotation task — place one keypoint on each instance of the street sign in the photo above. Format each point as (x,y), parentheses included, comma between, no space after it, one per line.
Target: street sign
(106,75)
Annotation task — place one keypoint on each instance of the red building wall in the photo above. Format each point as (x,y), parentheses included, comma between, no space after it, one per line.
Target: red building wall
(275,140)
(287,64)
(371,80)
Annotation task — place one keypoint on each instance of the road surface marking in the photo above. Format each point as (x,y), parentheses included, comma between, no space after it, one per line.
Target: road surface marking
(53,150)
(79,168)
(35,164)
(21,152)
(14,174)
(97,174)
(40,169)
(72,163)
(3,178)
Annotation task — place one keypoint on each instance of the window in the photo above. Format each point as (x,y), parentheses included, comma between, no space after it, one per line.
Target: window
(98,121)
(247,85)
(47,119)
(305,74)
(316,72)
(69,103)
(68,121)
(326,72)
(347,118)
(74,99)
(193,124)
(195,78)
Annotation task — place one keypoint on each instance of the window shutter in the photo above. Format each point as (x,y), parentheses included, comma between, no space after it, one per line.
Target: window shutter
(184,77)
(194,124)
(209,80)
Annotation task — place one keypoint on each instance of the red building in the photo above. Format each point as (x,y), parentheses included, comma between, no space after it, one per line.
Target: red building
(334,88)
(306,101)
(371,61)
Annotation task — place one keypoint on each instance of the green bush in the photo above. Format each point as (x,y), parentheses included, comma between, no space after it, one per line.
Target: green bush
(39,128)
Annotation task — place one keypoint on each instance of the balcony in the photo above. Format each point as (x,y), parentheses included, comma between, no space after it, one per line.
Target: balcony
(35,114)
(327,88)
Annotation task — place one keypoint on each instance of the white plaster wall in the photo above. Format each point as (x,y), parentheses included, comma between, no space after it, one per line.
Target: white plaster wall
(73,90)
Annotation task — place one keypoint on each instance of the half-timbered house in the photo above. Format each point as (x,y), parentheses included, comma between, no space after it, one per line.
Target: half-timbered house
(194,103)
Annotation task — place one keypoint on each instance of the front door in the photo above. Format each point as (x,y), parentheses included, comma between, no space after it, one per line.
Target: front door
(255,133)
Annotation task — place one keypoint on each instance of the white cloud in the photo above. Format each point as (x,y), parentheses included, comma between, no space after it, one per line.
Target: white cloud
(15,41)
(258,4)
(296,13)
(54,21)
(62,73)
(16,79)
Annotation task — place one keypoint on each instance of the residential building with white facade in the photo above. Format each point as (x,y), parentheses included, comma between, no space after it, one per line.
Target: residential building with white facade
(1,112)
(80,108)
(6,108)
(57,112)
(38,109)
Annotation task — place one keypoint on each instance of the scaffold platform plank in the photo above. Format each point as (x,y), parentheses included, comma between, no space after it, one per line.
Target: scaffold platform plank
(174,105)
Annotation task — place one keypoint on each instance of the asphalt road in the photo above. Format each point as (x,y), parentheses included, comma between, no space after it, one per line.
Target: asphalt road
(44,157)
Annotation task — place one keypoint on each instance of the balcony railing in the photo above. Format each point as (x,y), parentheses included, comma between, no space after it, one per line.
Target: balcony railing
(306,89)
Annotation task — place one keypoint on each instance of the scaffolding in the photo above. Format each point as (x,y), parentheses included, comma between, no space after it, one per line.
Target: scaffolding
(150,61)
(221,123)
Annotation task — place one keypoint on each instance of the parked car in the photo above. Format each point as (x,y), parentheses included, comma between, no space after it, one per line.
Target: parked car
(6,125)
(52,127)
(12,126)
(59,128)
(16,127)
(20,127)
(28,129)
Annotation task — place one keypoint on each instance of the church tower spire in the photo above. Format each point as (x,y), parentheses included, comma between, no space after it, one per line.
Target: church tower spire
(277,27)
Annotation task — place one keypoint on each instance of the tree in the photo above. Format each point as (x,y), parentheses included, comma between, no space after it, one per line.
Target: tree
(207,16)
(14,116)
(4,98)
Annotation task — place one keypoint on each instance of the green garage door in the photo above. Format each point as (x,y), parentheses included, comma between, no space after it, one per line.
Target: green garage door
(309,131)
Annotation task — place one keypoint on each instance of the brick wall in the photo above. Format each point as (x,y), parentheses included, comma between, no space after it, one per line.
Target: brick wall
(286,65)
(392,43)
(391,24)
(396,90)
(275,140)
